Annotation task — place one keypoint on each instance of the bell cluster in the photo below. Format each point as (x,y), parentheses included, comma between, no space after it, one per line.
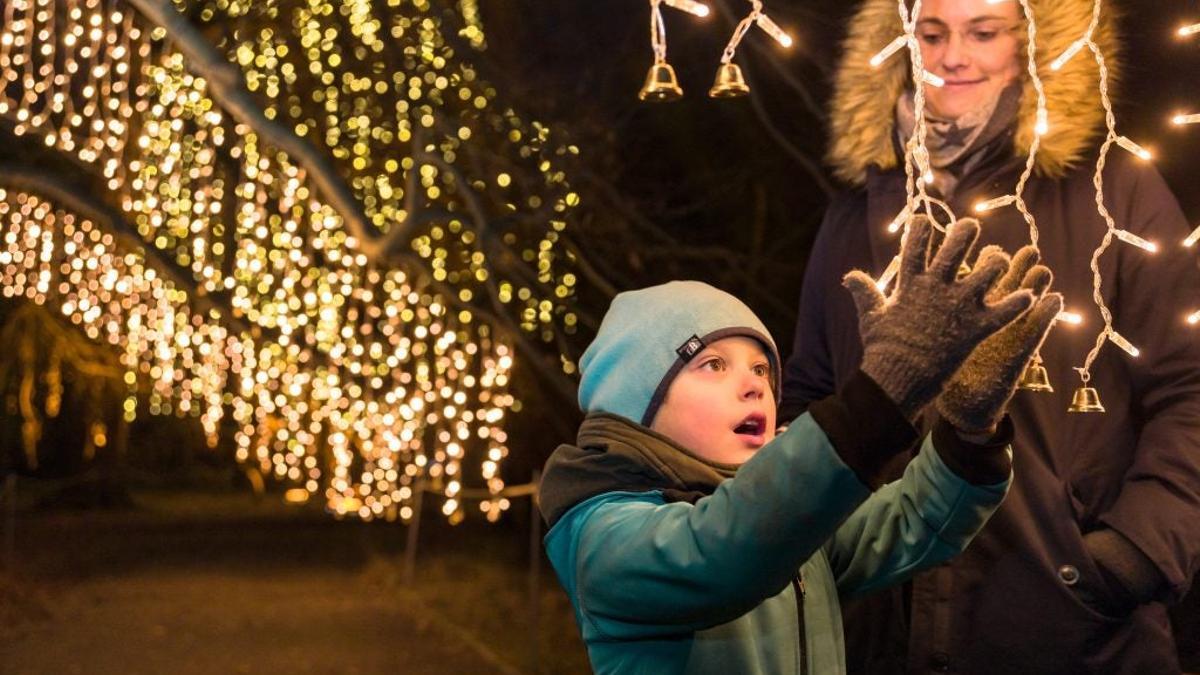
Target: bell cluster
(662,85)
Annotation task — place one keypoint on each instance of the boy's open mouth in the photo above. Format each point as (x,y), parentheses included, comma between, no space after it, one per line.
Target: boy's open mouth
(754,425)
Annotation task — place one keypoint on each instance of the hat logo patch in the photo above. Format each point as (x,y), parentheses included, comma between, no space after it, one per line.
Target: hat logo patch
(690,348)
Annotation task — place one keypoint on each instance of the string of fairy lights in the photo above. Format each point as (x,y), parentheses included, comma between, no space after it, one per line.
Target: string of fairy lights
(661,85)
(356,380)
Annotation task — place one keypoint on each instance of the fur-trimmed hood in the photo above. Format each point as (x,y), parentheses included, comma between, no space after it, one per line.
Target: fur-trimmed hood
(862,117)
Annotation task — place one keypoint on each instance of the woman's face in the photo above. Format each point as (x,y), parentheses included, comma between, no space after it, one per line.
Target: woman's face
(973,45)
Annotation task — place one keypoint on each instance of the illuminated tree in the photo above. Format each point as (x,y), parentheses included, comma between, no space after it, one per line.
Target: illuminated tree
(313,218)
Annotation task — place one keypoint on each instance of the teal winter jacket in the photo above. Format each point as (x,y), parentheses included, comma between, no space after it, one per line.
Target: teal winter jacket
(671,568)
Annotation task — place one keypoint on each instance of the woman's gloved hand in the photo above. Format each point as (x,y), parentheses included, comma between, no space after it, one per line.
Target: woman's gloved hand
(975,399)
(914,340)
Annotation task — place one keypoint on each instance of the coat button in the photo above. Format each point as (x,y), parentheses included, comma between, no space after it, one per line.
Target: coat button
(939,662)
(1068,574)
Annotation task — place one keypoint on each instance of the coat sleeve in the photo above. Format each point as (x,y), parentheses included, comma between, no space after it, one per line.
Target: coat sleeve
(925,518)
(808,375)
(637,567)
(1158,507)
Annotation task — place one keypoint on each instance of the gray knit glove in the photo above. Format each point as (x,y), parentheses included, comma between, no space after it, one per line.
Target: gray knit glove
(975,399)
(914,340)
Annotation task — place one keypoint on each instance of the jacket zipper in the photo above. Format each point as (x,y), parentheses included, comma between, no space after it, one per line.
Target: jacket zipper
(798,582)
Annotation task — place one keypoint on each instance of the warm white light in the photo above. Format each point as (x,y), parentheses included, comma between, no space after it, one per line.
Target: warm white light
(886,53)
(1193,237)
(1134,148)
(1186,119)
(764,22)
(932,80)
(1185,31)
(1131,238)
(1067,55)
(1042,127)
(1194,318)
(1069,317)
(994,203)
(689,6)
(1121,342)
(899,220)
(885,279)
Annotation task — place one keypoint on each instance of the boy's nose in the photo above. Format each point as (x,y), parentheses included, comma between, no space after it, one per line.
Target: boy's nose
(754,388)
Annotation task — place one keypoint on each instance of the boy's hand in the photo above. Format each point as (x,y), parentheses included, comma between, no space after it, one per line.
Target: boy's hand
(975,398)
(916,339)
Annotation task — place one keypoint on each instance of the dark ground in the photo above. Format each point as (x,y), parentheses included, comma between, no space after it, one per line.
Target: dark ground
(203,583)
(217,582)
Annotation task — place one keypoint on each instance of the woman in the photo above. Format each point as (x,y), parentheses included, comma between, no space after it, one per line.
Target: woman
(1100,529)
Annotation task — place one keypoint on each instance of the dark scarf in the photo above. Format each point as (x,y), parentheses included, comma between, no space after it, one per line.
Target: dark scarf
(616,455)
(955,144)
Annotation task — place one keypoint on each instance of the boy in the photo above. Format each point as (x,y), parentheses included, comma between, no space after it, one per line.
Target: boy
(689,541)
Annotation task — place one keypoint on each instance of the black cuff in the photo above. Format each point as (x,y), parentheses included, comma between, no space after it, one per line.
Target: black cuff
(977,463)
(865,427)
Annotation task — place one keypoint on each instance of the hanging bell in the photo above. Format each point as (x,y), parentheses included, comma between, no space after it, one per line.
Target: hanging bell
(1086,400)
(729,82)
(1035,378)
(661,85)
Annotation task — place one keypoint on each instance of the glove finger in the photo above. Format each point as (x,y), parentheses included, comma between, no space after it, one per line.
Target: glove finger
(1035,326)
(1004,312)
(954,250)
(914,253)
(982,280)
(1022,261)
(867,297)
(1037,279)
(1042,316)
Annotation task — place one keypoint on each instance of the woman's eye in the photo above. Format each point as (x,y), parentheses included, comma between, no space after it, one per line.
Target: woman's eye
(984,35)
(932,38)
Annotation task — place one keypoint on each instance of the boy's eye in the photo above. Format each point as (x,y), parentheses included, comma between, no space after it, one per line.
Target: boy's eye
(714,364)
(762,370)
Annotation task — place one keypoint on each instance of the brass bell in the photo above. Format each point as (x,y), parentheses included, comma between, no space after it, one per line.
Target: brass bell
(1035,378)
(661,84)
(729,82)
(1086,400)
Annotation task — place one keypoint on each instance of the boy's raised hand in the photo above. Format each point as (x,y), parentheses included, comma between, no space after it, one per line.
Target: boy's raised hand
(974,399)
(914,340)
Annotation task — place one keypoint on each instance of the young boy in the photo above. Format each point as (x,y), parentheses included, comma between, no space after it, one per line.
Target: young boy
(689,541)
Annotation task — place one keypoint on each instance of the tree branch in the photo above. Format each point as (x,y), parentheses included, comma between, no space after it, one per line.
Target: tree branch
(225,87)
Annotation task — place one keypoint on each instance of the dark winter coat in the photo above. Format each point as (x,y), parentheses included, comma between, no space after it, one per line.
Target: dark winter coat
(1026,597)
(1029,596)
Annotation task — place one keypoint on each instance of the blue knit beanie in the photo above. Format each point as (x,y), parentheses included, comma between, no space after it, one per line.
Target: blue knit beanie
(648,335)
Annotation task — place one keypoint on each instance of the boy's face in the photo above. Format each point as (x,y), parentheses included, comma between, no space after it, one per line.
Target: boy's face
(721,405)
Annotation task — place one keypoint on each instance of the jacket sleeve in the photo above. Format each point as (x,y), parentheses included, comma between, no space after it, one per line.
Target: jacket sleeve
(1158,507)
(637,567)
(808,375)
(926,517)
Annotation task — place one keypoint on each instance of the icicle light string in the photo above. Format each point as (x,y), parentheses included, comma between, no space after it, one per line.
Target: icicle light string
(918,172)
(1107,333)
(756,17)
